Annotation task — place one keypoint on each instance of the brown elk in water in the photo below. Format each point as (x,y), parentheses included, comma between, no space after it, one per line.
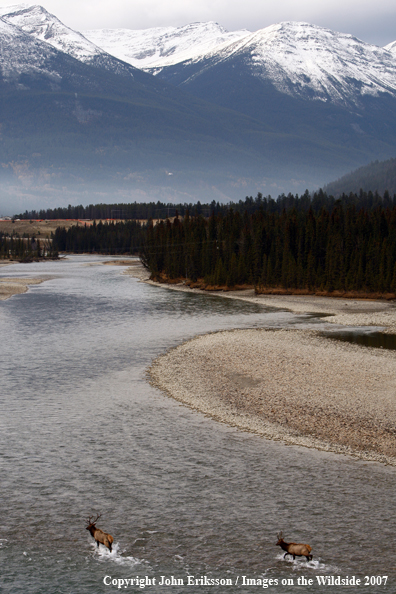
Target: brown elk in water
(292,548)
(98,534)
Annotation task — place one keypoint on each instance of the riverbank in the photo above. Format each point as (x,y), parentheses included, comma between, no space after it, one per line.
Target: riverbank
(14,286)
(351,312)
(289,385)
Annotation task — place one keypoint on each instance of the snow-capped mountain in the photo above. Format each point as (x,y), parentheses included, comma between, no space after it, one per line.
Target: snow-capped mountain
(35,21)
(162,46)
(288,107)
(76,126)
(391,47)
(42,25)
(32,57)
(301,60)
(297,59)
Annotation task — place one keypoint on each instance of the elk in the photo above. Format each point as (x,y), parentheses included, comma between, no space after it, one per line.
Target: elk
(292,548)
(98,534)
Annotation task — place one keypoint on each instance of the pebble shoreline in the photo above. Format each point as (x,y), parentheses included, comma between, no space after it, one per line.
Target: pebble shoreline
(293,385)
(289,385)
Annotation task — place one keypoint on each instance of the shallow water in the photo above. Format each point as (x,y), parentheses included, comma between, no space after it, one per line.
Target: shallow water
(377,340)
(81,430)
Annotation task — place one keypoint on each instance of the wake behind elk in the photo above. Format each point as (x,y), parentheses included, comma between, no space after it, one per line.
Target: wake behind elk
(292,548)
(98,534)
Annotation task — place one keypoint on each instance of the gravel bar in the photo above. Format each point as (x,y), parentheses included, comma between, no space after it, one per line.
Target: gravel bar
(289,385)
(15,286)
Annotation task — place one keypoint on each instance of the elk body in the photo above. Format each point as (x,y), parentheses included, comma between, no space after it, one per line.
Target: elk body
(98,534)
(292,548)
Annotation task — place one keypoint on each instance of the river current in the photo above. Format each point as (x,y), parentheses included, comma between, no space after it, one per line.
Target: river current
(83,432)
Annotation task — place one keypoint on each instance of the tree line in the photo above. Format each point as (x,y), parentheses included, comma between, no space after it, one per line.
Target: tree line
(345,248)
(106,238)
(313,243)
(25,249)
(161,210)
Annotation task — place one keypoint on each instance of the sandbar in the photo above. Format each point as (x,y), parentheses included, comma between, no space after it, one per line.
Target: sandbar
(290,385)
(14,286)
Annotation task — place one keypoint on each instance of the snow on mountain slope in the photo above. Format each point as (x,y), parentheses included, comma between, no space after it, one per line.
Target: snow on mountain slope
(298,59)
(34,20)
(33,57)
(391,47)
(307,61)
(162,46)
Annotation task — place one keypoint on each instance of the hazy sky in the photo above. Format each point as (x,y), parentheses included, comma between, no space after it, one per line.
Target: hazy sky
(371,21)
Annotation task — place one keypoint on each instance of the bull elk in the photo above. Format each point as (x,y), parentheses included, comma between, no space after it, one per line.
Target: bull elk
(292,548)
(98,534)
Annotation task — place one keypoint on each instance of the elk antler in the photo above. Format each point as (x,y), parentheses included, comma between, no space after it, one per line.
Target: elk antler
(91,521)
(280,535)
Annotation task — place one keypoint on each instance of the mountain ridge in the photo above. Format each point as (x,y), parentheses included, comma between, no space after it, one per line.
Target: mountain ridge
(238,120)
(151,49)
(305,60)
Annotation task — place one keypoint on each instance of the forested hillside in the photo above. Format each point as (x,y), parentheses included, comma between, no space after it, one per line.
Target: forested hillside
(379,176)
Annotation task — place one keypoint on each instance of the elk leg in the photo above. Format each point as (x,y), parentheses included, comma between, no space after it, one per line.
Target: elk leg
(97,542)
(110,548)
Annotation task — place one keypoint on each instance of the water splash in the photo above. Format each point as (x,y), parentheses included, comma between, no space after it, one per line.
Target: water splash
(102,553)
(314,564)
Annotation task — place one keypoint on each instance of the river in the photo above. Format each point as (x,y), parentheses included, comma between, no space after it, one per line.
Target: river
(83,432)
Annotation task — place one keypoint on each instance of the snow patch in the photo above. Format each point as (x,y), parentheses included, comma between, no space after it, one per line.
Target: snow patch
(312,62)
(162,46)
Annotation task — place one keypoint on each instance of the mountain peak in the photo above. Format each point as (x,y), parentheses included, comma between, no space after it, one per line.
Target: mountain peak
(35,20)
(162,46)
(313,62)
(391,47)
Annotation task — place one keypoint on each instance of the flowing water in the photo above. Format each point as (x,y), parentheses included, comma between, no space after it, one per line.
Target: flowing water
(82,431)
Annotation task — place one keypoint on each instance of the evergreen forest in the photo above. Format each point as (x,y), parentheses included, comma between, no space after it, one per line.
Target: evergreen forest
(25,249)
(345,248)
(105,238)
(295,243)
